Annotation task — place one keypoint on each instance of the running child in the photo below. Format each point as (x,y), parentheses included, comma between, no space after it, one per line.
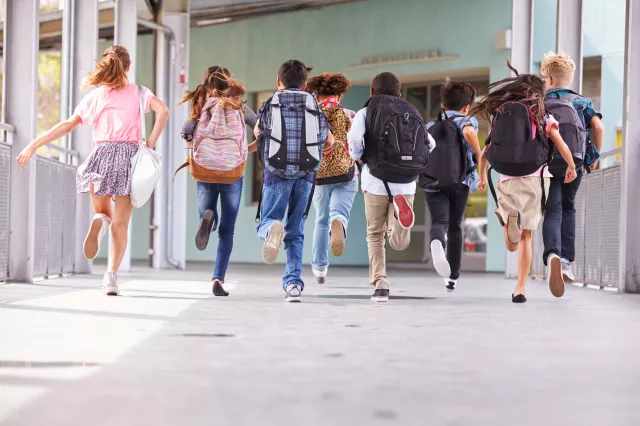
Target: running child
(582,129)
(113,110)
(337,180)
(390,138)
(216,137)
(518,148)
(292,133)
(450,177)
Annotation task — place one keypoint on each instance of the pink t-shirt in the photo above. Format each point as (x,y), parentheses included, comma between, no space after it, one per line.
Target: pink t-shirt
(549,123)
(114,114)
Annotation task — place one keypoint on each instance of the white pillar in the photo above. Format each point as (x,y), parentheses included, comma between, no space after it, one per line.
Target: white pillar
(522,60)
(630,228)
(126,34)
(171,198)
(20,84)
(569,36)
(83,56)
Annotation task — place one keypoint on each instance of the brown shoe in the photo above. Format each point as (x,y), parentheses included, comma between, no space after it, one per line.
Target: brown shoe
(337,237)
(556,281)
(513,227)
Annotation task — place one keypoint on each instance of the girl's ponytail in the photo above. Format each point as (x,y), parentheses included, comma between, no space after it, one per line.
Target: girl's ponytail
(111,70)
(197,97)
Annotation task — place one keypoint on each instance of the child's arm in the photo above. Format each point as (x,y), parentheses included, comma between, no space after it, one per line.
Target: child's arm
(56,132)
(471,136)
(597,132)
(355,136)
(482,170)
(565,152)
(256,130)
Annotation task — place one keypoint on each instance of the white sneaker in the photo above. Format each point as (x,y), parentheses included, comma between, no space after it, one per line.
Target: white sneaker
(440,259)
(271,247)
(450,284)
(293,293)
(320,275)
(110,284)
(556,282)
(567,272)
(99,226)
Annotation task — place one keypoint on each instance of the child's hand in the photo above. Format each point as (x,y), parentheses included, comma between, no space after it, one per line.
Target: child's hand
(594,165)
(482,185)
(571,174)
(25,156)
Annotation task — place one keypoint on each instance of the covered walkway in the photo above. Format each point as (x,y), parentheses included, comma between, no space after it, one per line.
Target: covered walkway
(168,353)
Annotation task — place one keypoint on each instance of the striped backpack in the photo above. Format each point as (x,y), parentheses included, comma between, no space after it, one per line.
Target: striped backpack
(220,149)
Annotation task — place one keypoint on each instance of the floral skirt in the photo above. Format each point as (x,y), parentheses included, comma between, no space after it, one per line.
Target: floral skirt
(108,168)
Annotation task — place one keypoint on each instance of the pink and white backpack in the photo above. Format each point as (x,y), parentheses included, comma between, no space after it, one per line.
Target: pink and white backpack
(219,142)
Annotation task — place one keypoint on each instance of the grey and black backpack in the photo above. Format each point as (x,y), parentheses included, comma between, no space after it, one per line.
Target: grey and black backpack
(572,129)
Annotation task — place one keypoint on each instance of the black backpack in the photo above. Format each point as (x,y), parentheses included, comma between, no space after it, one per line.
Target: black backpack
(571,126)
(447,166)
(511,148)
(396,146)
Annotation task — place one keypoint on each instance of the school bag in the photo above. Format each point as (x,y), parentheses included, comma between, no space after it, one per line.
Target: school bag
(337,165)
(511,148)
(289,145)
(447,166)
(571,126)
(219,152)
(396,146)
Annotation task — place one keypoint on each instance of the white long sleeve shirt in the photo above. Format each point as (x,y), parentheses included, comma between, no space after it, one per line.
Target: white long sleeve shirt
(368,182)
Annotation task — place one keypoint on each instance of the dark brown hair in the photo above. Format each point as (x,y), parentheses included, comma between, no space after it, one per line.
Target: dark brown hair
(386,83)
(329,84)
(111,69)
(528,89)
(293,74)
(217,82)
(456,95)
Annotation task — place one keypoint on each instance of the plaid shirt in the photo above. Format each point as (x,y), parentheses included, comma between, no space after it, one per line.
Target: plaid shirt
(293,119)
(581,104)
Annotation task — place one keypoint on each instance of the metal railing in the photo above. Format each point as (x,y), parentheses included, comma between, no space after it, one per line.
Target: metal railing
(55,206)
(6,140)
(597,204)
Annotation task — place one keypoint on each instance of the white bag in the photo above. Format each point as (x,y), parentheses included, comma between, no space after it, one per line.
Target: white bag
(145,166)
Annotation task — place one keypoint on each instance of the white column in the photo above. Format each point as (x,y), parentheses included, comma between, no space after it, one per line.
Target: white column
(126,34)
(82,60)
(171,198)
(20,84)
(630,228)
(569,36)
(522,60)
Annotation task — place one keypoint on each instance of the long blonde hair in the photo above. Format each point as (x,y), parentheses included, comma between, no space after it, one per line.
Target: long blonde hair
(111,69)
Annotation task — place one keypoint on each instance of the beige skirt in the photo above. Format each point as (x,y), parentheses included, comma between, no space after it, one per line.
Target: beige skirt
(524,195)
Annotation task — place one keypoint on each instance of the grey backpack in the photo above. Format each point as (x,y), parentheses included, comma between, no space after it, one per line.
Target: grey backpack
(571,127)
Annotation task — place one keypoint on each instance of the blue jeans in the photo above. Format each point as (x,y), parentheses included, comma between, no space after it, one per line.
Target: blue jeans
(333,201)
(290,197)
(229,195)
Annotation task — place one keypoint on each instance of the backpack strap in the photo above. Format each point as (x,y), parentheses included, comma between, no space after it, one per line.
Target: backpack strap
(491,187)
(386,186)
(260,203)
(313,189)
(182,166)
(544,191)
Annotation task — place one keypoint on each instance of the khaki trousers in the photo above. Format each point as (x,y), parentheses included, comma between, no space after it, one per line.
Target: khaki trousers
(380,221)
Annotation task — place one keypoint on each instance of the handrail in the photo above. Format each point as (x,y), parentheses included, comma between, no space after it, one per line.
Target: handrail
(611,152)
(64,150)
(7,127)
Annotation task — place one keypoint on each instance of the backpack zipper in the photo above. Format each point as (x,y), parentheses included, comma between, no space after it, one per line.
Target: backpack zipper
(396,132)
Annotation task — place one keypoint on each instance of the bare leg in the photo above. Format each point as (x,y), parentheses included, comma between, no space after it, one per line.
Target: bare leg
(119,231)
(524,261)
(101,204)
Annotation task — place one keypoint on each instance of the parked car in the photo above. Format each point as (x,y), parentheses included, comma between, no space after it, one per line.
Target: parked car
(474,231)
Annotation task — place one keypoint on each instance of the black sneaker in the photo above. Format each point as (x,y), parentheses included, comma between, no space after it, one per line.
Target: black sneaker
(293,293)
(450,284)
(218,290)
(204,230)
(380,295)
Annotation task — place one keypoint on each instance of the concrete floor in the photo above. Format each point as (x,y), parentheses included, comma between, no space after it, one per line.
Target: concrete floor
(168,353)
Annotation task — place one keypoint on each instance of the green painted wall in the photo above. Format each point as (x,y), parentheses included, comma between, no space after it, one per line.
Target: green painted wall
(332,39)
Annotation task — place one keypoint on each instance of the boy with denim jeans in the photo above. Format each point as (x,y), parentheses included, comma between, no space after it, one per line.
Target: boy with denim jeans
(560,214)
(447,206)
(291,194)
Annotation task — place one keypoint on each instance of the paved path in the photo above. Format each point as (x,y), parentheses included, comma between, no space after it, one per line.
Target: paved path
(168,353)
